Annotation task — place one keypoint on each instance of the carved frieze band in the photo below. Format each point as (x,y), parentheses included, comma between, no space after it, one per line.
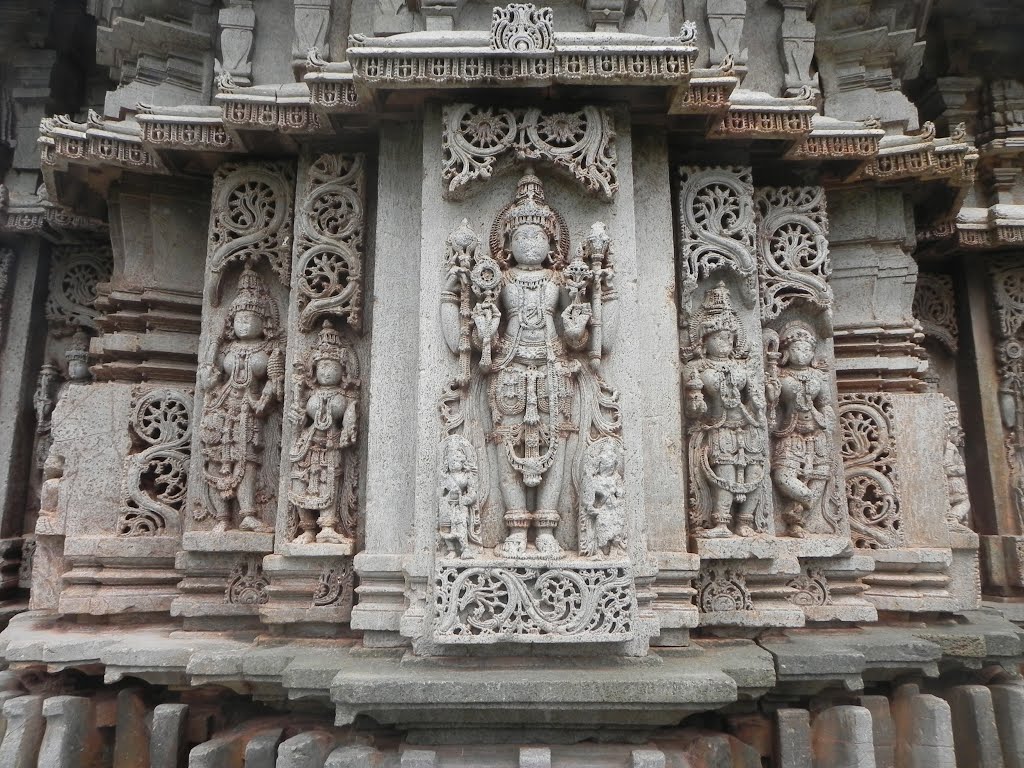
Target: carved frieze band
(869,463)
(156,474)
(935,308)
(477,141)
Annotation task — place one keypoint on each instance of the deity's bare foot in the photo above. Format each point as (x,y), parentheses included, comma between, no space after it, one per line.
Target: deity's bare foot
(466,554)
(797,531)
(329,536)
(547,545)
(306,537)
(745,530)
(252,524)
(720,531)
(514,545)
(220,527)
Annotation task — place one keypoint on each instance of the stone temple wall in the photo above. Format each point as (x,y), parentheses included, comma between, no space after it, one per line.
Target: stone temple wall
(597,384)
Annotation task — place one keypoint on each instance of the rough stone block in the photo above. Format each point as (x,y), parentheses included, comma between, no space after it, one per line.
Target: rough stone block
(69,725)
(842,738)
(353,757)
(925,734)
(167,741)
(131,743)
(261,751)
(883,730)
(419,758)
(1008,702)
(974,727)
(24,734)
(534,757)
(223,752)
(307,750)
(793,738)
(711,752)
(648,758)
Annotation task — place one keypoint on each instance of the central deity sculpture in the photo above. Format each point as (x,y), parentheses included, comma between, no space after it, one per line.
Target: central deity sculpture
(242,386)
(530,318)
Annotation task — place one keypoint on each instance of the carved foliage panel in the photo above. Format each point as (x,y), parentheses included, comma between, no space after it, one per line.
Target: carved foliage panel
(479,141)
(935,308)
(869,464)
(156,472)
(75,274)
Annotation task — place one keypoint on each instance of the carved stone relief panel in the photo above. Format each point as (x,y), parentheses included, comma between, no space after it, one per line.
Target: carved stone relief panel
(797,47)
(75,273)
(959,514)
(724,390)
(156,475)
(869,464)
(1008,298)
(726,18)
(237,22)
(531,503)
(935,310)
(796,310)
(481,141)
(241,375)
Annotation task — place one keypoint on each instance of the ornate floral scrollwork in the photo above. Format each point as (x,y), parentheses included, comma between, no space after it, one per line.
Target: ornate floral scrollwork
(793,258)
(156,478)
(722,590)
(935,308)
(329,229)
(75,274)
(478,141)
(810,588)
(869,465)
(333,585)
(247,585)
(522,27)
(717,228)
(509,604)
(1008,293)
(251,219)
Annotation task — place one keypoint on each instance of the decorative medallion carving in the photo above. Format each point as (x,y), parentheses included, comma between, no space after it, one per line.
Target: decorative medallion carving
(935,308)
(869,465)
(793,258)
(717,228)
(480,141)
(252,220)
(810,588)
(75,273)
(522,27)
(722,590)
(334,585)
(329,226)
(499,602)
(247,585)
(156,476)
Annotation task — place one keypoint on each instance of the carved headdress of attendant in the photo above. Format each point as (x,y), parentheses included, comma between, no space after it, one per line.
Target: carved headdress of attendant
(253,296)
(530,207)
(716,314)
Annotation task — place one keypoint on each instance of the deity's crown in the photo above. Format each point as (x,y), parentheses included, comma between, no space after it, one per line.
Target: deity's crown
(252,295)
(329,345)
(530,207)
(717,313)
(78,348)
(797,331)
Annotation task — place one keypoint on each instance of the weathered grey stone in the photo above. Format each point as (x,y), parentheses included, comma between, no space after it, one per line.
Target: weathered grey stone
(419,758)
(67,742)
(24,733)
(924,732)
(711,751)
(534,757)
(883,730)
(1008,703)
(974,726)
(307,750)
(223,752)
(353,757)
(261,751)
(842,738)
(648,758)
(167,744)
(131,741)
(793,737)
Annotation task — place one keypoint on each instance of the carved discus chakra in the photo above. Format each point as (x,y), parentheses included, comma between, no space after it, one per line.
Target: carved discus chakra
(247,585)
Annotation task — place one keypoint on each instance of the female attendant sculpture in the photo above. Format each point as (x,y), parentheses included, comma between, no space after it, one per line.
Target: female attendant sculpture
(242,384)
(459,509)
(529,319)
(324,410)
(959,513)
(727,436)
(804,422)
